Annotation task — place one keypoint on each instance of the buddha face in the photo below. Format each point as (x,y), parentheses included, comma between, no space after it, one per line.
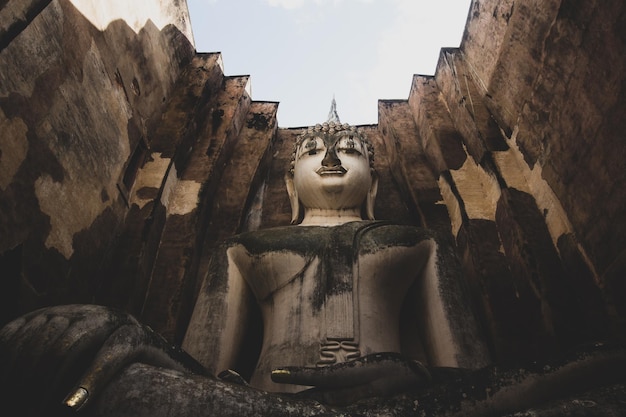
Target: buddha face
(332,171)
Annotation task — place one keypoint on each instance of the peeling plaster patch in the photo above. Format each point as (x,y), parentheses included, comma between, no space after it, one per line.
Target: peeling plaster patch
(13,148)
(71,207)
(479,190)
(168,187)
(179,196)
(517,174)
(452,204)
(184,197)
(150,176)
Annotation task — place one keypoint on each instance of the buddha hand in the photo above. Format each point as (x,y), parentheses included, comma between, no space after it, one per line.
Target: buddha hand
(375,375)
(59,358)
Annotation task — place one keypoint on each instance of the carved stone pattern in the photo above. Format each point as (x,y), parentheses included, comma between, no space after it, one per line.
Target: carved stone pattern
(338,350)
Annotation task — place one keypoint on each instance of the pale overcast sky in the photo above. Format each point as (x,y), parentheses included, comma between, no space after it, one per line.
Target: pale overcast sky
(302,52)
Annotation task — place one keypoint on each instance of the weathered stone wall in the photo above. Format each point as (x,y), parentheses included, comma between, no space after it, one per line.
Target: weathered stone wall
(82,87)
(522,130)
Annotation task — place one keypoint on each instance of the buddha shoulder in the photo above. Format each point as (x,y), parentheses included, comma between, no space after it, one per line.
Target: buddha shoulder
(367,235)
(373,236)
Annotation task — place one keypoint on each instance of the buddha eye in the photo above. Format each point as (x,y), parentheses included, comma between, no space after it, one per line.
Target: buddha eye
(311,147)
(348,145)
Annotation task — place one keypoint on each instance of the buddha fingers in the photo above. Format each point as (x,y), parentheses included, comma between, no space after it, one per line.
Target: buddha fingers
(129,343)
(41,351)
(364,370)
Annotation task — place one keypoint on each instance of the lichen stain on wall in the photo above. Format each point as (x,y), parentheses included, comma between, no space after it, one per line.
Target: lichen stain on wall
(34,54)
(517,174)
(76,114)
(13,148)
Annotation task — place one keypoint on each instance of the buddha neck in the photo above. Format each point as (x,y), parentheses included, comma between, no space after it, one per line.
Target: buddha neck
(330,217)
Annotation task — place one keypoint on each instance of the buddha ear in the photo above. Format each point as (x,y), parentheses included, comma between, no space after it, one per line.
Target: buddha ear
(293,198)
(371,197)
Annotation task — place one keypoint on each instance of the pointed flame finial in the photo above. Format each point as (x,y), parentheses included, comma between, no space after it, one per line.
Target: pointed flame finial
(333,116)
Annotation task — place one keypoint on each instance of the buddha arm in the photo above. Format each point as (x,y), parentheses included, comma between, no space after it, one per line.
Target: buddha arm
(449,330)
(220,318)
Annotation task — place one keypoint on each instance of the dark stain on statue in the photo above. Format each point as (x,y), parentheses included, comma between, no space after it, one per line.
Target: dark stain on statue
(340,248)
(311,239)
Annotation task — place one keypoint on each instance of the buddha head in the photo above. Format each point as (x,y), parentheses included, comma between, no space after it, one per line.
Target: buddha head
(332,169)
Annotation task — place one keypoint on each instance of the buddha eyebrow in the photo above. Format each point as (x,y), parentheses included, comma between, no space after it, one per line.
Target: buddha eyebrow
(311,143)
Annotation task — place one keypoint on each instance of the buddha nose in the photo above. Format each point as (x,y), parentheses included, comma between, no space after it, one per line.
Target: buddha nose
(331,159)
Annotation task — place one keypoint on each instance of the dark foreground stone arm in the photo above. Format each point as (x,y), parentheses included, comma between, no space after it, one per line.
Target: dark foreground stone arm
(374,375)
(63,356)
(144,390)
(597,374)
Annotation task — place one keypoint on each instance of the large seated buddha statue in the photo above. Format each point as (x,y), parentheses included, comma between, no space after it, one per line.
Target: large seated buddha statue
(333,288)
(352,310)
